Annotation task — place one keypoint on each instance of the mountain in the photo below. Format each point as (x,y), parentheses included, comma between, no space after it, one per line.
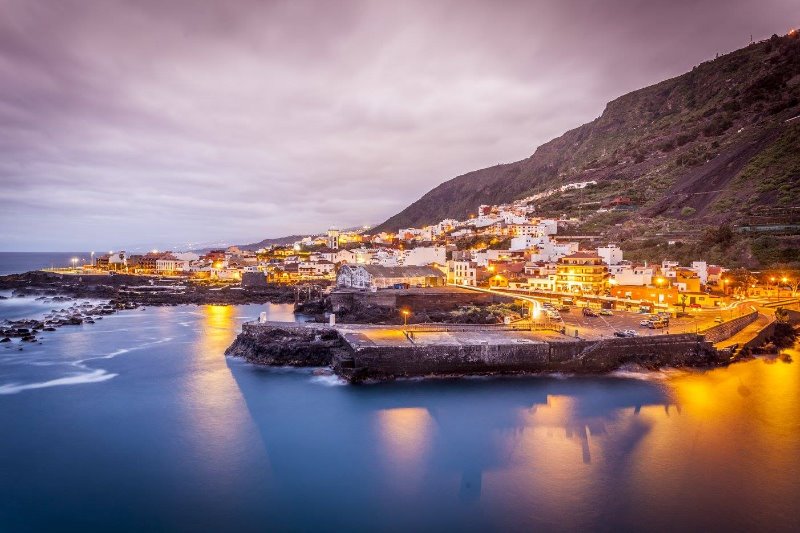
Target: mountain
(702,149)
(279,241)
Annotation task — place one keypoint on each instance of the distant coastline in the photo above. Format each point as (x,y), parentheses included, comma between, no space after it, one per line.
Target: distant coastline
(21,262)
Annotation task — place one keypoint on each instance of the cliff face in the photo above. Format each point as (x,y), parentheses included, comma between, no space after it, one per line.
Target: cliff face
(719,140)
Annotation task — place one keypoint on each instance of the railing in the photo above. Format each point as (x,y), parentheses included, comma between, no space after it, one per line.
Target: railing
(520,325)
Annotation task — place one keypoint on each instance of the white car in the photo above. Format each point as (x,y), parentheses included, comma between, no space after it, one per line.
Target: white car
(644,323)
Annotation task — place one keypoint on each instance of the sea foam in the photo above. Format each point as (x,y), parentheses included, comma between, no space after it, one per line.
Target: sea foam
(90,377)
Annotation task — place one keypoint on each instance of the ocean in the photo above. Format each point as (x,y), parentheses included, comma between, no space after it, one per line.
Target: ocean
(18,262)
(140,423)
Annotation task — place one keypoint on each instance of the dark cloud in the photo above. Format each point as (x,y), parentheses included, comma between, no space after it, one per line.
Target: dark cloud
(163,123)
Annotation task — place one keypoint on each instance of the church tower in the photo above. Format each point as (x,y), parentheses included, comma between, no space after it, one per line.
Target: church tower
(333,238)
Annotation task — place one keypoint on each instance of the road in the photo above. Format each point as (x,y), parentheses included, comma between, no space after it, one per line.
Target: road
(576,324)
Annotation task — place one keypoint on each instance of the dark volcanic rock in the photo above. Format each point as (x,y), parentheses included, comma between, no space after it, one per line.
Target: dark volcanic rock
(277,346)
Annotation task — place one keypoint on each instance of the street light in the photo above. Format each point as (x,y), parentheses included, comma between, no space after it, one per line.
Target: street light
(405,313)
(74,262)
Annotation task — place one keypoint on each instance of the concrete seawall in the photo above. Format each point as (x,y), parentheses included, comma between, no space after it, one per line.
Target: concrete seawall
(360,353)
(575,356)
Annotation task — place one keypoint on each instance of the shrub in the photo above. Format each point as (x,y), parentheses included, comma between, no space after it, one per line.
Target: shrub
(717,126)
(688,211)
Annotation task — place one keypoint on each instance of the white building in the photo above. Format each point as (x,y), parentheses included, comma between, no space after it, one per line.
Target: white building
(542,283)
(611,254)
(462,273)
(701,269)
(423,255)
(632,275)
(172,264)
(545,249)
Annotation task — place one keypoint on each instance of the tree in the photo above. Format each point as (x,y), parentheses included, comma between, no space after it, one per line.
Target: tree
(682,303)
(781,315)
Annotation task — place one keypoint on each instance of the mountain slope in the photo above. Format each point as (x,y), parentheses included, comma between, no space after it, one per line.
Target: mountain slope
(705,146)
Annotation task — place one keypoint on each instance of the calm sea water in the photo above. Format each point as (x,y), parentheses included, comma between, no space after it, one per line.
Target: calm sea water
(139,423)
(17,262)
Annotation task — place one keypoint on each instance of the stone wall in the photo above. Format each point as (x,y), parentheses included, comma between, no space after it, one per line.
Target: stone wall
(578,356)
(307,344)
(728,329)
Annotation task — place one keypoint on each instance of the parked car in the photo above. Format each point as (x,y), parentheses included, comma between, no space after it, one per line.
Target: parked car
(588,312)
(606,312)
(695,306)
(625,333)
(564,308)
(658,324)
(645,323)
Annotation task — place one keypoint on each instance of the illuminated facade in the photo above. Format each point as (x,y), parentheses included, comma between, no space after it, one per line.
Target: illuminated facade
(582,272)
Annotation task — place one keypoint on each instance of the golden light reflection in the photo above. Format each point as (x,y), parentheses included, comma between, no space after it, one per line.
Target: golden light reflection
(214,404)
(736,423)
(405,434)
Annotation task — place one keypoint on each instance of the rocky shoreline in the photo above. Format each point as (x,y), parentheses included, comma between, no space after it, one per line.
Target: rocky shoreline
(76,314)
(117,292)
(142,290)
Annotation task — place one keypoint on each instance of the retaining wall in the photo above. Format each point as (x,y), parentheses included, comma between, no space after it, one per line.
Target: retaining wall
(318,344)
(728,329)
(381,362)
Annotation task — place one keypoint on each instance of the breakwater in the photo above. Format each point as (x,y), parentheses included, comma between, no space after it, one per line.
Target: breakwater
(360,353)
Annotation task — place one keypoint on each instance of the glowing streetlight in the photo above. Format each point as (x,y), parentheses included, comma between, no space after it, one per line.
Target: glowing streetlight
(405,313)
(74,262)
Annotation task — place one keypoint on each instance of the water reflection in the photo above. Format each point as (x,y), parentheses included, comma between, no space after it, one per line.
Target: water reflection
(405,434)
(220,423)
(535,452)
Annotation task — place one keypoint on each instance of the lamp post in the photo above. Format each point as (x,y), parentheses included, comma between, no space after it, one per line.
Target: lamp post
(74,261)
(405,316)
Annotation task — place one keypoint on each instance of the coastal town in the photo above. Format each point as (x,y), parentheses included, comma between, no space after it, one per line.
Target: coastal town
(503,247)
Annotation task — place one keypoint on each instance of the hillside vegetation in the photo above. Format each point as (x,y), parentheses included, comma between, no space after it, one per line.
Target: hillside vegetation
(713,146)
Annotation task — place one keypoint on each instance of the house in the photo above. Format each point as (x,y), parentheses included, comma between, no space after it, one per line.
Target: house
(381,277)
(316,270)
(423,255)
(627,274)
(170,264)
(462,273)
(611,254)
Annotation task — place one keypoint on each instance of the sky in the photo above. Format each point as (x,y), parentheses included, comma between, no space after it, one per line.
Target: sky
(173,124)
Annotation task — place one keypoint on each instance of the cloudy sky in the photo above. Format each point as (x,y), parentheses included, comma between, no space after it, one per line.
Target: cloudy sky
(163,123)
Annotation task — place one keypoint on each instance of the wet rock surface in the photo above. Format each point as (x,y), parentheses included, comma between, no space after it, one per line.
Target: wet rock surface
(288,346)
(140,290)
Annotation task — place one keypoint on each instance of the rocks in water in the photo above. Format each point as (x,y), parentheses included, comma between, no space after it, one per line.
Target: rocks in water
(5,339)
